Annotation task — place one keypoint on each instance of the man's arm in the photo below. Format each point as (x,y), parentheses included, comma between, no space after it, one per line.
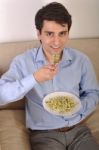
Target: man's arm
(89,89)
(14,86)
(89,93)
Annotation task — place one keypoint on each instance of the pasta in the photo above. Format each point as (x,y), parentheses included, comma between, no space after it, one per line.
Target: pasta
(55,58)
(61,104)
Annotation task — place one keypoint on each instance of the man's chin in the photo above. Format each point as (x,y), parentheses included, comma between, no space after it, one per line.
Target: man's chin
(56,51)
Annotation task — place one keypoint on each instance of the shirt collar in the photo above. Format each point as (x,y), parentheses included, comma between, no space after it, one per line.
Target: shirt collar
(66,55)
(40,55)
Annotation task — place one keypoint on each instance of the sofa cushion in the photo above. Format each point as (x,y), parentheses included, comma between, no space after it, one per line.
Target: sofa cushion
(14,105)
(13,133)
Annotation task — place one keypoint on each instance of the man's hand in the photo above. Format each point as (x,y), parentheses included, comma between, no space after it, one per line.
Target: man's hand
(45,73)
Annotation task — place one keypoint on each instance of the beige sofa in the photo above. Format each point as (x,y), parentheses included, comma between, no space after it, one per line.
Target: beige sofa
(13,134)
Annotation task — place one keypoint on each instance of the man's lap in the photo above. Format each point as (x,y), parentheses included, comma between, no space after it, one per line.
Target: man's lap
(78,138)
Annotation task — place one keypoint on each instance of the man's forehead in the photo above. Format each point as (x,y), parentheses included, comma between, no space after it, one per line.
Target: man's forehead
(52,26)
(56,22)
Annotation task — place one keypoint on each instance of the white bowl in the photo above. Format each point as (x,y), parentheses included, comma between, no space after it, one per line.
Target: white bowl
(57,105)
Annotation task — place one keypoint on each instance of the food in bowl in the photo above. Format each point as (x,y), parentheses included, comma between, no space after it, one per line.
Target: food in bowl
(62,103)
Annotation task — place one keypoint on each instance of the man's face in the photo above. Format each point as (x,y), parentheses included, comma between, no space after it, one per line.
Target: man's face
(53,37)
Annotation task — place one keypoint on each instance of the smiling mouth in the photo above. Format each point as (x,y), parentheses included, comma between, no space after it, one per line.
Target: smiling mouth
(55,47)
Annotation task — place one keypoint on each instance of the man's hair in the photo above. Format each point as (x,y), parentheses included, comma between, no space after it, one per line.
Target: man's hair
(53,12)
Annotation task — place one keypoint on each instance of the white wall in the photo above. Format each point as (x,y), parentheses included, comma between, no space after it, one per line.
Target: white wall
(17,18)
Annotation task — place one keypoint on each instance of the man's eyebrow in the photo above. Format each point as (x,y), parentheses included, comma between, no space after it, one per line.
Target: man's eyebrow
(48,31)
(64,31)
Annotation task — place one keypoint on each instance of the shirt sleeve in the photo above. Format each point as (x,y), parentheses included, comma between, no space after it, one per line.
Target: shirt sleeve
(89,93)
(13,85)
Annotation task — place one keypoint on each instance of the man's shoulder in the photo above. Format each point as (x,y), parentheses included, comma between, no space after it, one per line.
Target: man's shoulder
(76,52)
(28,54)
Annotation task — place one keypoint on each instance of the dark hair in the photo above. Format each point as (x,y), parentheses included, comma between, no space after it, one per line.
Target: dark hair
(53,12)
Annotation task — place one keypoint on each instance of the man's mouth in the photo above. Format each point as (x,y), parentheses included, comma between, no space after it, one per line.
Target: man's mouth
(55,47)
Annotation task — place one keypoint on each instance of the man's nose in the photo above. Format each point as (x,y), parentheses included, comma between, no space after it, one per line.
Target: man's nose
(56,40)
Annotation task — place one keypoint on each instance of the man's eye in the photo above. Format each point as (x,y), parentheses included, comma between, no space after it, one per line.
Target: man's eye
(49,34)
(63,33)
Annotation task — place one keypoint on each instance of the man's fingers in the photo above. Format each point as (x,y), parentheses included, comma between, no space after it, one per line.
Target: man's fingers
(51,67)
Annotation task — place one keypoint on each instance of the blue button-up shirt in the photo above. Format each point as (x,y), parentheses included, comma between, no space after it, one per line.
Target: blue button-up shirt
(75,75)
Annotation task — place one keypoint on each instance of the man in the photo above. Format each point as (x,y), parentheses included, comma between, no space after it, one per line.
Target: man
(34,75)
